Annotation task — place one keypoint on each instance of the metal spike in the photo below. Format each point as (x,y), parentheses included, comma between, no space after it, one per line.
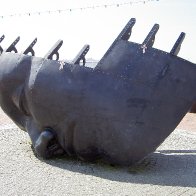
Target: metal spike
(12,46)
(54,50)
(81,55)
(30,48)
(126,32)
(124,35)
(176,48)
(149,41)
(1,39)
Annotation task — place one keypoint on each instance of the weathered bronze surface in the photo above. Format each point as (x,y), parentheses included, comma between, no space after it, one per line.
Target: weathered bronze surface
(193,108)
(119,111)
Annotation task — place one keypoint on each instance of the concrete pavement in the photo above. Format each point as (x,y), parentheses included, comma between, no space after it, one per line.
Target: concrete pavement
(171,170)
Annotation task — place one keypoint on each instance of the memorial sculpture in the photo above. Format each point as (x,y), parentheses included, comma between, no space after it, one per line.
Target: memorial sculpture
(119,111)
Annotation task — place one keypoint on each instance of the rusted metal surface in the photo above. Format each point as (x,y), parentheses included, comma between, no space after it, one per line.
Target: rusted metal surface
(193,108)
(119,111)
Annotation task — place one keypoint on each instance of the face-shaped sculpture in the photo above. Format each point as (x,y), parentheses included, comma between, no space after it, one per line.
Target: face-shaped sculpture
(120,111)
(86,112)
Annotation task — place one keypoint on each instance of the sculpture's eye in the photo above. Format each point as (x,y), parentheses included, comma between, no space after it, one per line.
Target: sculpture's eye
(19,99)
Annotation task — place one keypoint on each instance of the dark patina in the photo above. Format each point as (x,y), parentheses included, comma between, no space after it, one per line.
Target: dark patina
(119,111)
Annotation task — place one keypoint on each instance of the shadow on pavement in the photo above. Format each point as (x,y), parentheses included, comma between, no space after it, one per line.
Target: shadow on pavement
(164,167)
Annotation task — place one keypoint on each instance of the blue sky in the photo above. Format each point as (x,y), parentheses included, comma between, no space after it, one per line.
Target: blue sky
(98,27)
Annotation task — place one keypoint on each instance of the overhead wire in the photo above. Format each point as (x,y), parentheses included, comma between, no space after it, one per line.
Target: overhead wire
(129,3)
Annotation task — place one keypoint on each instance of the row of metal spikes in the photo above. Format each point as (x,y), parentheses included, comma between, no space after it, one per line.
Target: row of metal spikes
(124,35)
(51,53)
(149,40)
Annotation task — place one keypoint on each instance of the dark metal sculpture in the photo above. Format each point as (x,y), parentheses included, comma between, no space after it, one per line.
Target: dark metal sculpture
(193,108)
(119,111)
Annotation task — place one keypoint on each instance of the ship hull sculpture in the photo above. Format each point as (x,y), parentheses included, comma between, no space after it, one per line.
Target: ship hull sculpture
(119,111)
